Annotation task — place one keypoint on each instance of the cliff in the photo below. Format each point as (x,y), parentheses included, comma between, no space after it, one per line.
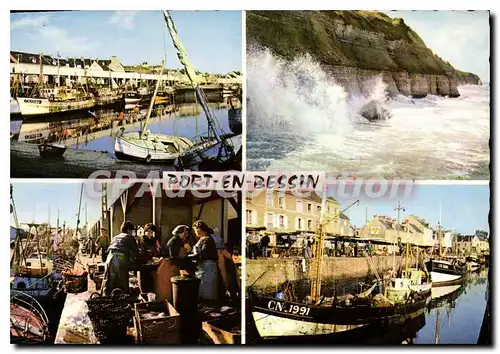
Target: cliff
(357,46)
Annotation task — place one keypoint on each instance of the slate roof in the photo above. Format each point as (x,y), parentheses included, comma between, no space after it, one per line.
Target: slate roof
(32,58)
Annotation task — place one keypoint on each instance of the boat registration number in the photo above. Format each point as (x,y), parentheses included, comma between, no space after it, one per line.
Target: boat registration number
(33,101)
(288,308)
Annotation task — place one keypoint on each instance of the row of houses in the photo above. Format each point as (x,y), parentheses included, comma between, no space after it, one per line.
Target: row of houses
(277,213)
(28,64)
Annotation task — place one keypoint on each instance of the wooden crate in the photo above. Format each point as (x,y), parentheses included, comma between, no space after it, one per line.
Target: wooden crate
(220,329)
(164,330)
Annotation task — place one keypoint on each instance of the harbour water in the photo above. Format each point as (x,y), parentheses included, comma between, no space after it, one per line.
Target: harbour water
(458,317)
(454,317)
(300,119)
(95,131)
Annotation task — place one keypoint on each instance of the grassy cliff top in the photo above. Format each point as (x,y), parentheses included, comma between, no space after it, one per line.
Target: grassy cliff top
(290,33)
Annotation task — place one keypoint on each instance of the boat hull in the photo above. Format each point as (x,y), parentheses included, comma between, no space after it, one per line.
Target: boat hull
(30,107)
(443,273)
(270,326)
(277,318)
(131,100)
(131,147)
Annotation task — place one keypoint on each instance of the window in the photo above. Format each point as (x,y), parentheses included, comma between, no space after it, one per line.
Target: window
(299,224)
(281,202)
(328,209)
(318,209)
(270,220)
(309,207)
(269,199)
(250,220)
(309,225)
(281,222)
(299,206)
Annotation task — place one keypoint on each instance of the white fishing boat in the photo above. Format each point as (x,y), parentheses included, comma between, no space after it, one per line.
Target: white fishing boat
(412,280)
(415,280)
(43,106)
(132,97)
(55,100)
(443,273)
(148,147)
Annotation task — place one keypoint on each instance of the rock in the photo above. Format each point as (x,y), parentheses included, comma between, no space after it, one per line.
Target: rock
(375,110)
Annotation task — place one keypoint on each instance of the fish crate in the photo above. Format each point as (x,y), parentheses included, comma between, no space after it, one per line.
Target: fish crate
(224,330)
(157,322)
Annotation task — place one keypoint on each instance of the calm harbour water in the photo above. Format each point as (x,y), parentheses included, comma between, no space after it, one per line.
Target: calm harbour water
(460,319)
(188,120)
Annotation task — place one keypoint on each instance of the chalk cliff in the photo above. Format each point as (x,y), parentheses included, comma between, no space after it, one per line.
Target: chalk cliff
(357,46)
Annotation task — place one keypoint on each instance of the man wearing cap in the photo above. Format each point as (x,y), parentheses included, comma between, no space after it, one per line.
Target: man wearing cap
(102,243)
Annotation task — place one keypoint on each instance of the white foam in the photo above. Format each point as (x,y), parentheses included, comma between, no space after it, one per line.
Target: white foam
(426,138)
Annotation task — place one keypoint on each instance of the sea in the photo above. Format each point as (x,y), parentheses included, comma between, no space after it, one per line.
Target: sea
(299,119)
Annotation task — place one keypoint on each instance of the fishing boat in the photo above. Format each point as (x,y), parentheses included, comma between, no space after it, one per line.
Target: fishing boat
(472,263)
(32,270)
(147,147)
(35,106)
(29,323)
(410,279)
(443,273)
(51,149)
(132,97)
(278,317)
(47,101)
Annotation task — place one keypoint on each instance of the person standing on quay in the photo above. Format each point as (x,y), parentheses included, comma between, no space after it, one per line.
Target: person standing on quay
(103,244)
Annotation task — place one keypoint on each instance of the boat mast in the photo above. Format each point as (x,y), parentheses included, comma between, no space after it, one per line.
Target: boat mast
(182,55)
(78,215)
(41,83)
(407,246)
(48,236)
(150,109)
(58,76)
(398,209)
(318,254)
(439,230)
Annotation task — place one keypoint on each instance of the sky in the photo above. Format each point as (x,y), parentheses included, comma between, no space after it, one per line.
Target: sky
(464,208)
(460,37)
(33,200)
(212,38)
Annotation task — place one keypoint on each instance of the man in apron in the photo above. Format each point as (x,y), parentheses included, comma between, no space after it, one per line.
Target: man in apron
(122,253)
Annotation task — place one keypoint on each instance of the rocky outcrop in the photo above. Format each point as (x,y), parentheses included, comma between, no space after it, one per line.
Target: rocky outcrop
(375,110)
(357,46)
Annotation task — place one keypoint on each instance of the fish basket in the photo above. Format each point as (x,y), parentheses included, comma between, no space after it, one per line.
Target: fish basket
(110,316)
(75,284)
(157,322)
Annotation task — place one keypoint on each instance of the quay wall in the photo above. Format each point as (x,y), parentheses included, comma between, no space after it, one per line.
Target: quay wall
(275,271)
